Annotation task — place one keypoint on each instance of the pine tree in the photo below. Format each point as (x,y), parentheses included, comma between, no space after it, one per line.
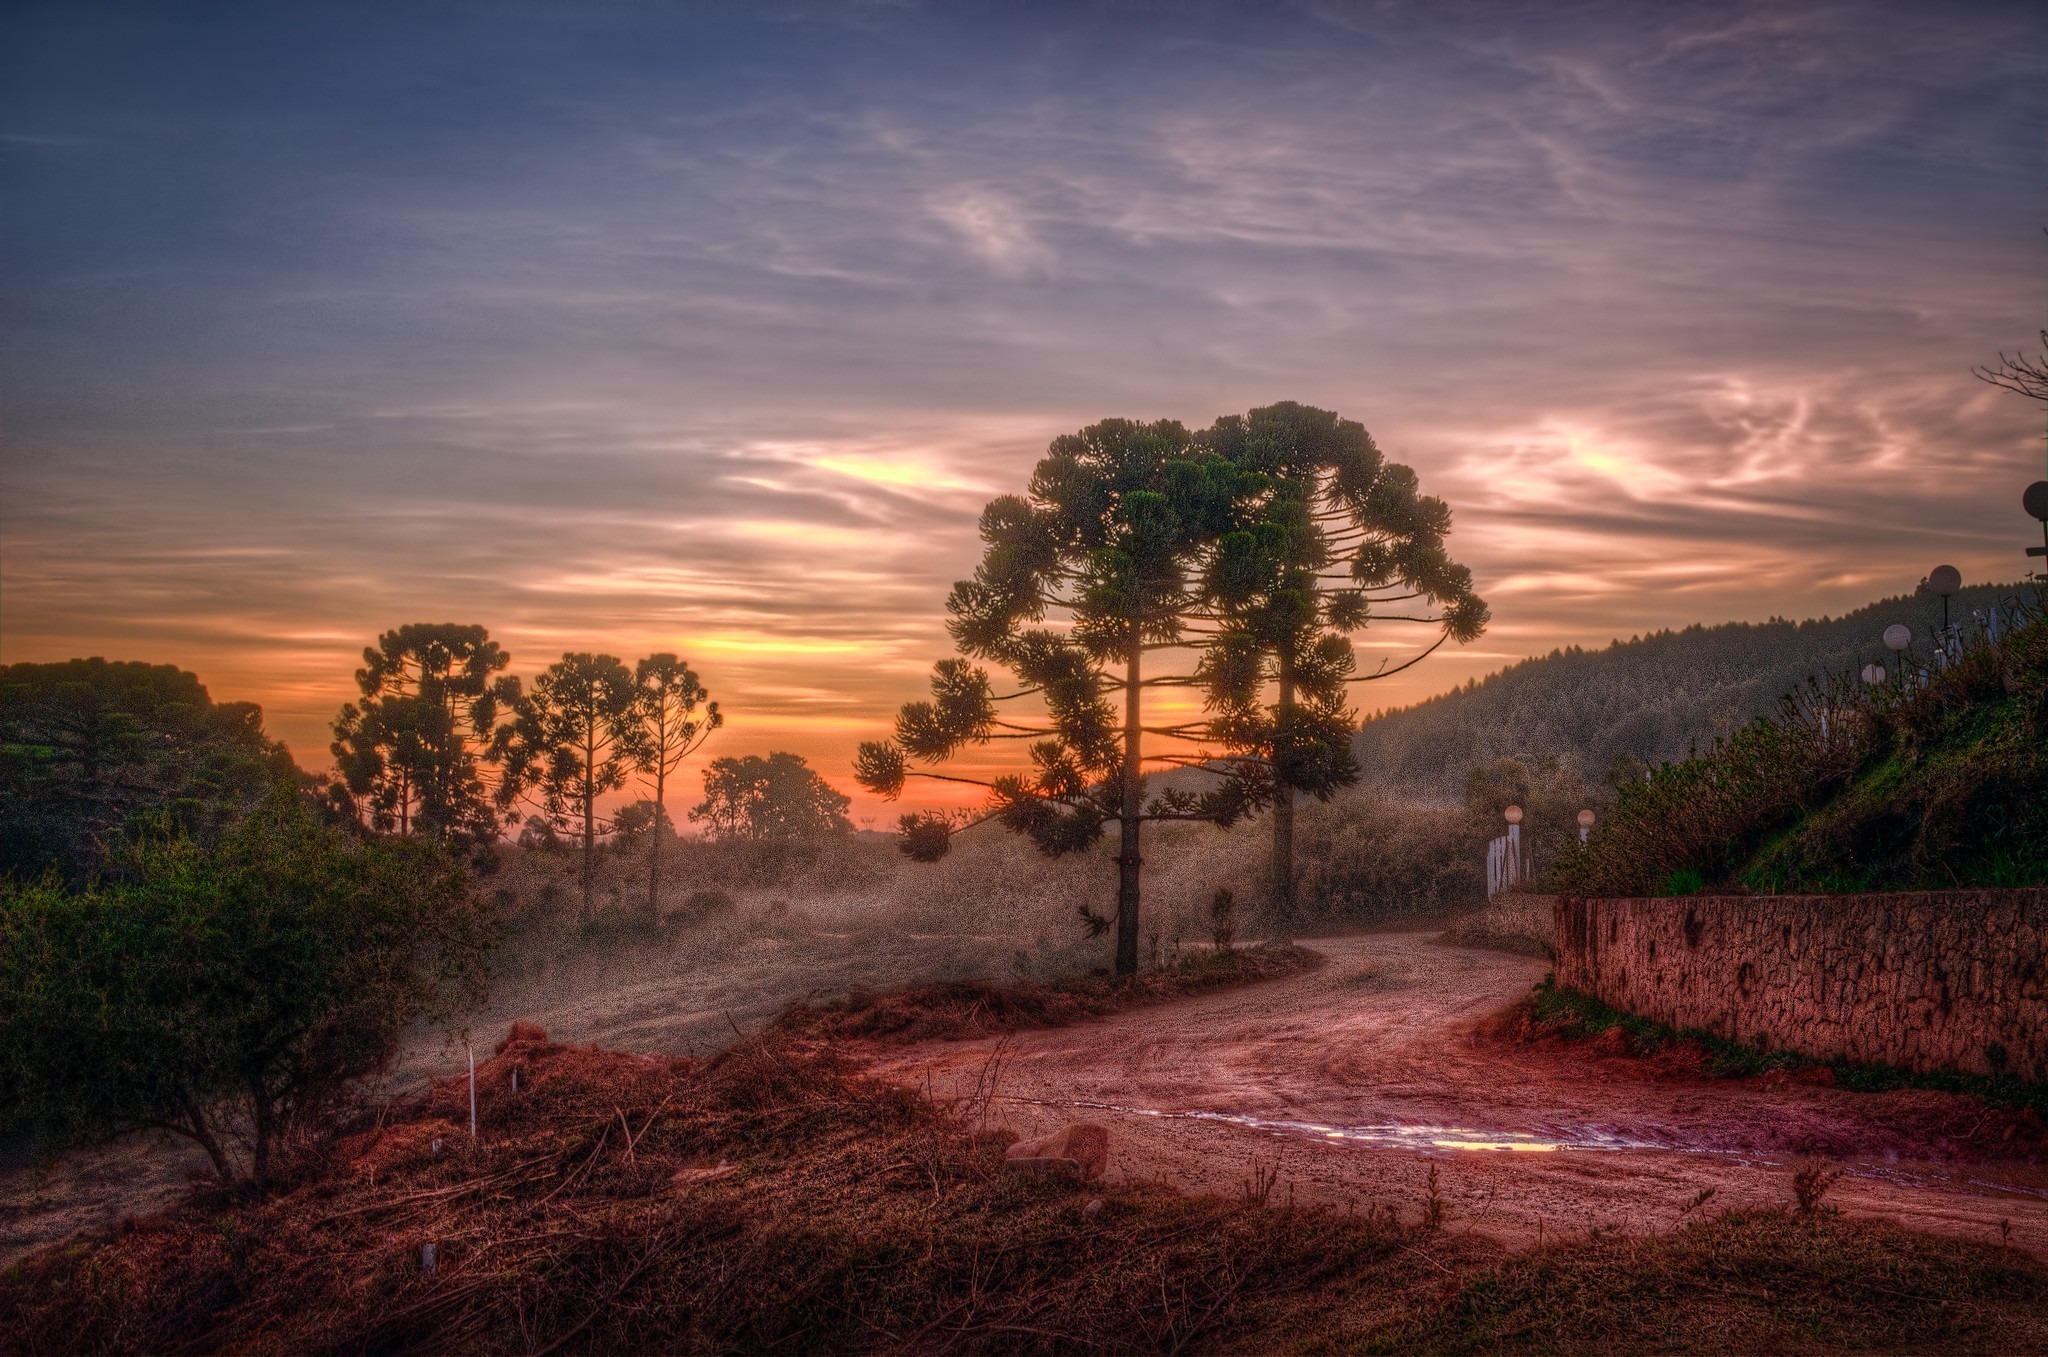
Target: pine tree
(576,737)
(1327,534)
(676,717)
(411,753)
(1104,547)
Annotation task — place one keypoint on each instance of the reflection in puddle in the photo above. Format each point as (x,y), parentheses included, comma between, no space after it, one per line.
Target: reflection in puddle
(1397,1134)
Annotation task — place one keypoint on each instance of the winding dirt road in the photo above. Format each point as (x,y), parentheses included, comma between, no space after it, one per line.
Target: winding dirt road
(1354,1080)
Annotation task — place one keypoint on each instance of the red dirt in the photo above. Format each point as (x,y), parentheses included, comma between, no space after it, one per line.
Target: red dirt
(1358,1077)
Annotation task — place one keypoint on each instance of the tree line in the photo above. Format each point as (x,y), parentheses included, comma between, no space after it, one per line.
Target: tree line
(445,744)
(1622,710)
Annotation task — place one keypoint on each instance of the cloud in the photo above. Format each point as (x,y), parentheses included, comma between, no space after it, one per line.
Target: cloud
(636,331)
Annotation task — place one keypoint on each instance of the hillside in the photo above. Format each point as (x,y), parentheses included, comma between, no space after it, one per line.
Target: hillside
(1921,787)
(1652,697)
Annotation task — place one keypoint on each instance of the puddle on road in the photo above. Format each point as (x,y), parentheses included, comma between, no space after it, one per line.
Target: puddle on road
(1427,1137)
(1394,1135)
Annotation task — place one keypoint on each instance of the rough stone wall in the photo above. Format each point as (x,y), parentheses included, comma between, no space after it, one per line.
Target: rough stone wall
(1926,981)
(1524,924)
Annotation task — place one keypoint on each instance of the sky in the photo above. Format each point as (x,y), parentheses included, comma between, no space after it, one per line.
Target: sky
(646,327)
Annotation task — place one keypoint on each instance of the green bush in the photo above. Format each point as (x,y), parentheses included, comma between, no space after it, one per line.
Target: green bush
(229,993)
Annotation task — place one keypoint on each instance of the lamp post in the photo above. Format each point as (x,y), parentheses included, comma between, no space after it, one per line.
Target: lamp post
(1897,637)
(2034,499)
(1945,580)
(1513,815)
(1586,818)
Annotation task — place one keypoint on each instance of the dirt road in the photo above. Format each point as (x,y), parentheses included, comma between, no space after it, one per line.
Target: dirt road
(1354,1080)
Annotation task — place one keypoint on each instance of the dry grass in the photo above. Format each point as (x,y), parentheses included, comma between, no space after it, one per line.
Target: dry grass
(965,1009)
(1755,1281)
(776,1198)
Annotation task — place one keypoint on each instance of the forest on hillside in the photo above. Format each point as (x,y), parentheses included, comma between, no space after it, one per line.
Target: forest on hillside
(1638,703)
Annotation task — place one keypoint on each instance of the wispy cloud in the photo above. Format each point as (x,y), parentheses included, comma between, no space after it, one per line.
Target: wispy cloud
(644,330)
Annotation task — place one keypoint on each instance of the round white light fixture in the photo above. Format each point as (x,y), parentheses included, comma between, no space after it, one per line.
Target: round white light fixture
(1898,636)
(1945,580)
(1586,818)
(1873,673)
(1514,814)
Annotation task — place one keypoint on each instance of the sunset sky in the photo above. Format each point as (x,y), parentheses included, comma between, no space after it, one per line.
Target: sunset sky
(635,326)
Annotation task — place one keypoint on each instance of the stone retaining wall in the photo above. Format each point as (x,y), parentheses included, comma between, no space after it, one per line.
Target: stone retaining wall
(1926,981)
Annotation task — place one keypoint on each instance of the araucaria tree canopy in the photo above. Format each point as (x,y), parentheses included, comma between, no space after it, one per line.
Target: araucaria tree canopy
(410,754)
(1138,540)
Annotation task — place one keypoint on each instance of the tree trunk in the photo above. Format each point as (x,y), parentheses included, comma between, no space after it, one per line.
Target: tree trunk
(196,1128)
(1127,859)
(654,846)
(1283,815)
(589,822)
(264,1130)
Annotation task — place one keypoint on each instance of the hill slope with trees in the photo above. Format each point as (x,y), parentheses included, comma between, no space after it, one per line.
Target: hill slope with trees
(1637,703)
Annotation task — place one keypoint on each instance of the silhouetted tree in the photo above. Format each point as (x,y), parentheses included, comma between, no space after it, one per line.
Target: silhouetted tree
(576,737)
(2018,373)
(1113,528)
(676,717)
(776,798)
(410,752)
(1327,537)
(91,751)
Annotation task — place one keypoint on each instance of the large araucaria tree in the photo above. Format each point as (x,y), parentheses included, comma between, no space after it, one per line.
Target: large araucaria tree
(1139,541)
(1084,576)
(1329,538)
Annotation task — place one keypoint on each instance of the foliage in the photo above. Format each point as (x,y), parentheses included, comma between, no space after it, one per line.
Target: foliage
(575,738)
(409,753)
(1223,919)
(676,717)
(778,798)
(231,992)
(1137,539)
(1551,792)
(1367,859)
(92,752)
(1104,546)
(1636,703)
(1915,785)
(638,823)
(1325,535)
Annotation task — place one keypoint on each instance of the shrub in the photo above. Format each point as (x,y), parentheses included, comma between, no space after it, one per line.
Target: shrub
(230,994)
(1850,788)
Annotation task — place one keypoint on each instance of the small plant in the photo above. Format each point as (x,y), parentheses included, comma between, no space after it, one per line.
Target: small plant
(1432,1204)
(1258,1189)
(1699,1199)
(1811,1180)
(1223,920)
